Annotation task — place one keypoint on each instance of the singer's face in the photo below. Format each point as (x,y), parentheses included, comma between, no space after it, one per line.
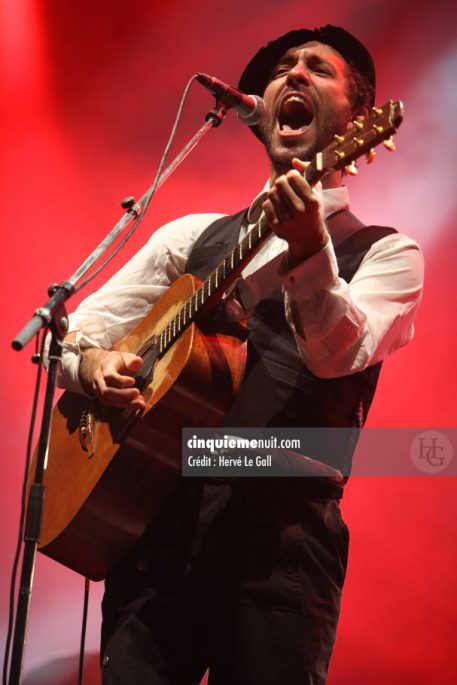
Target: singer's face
(307,103)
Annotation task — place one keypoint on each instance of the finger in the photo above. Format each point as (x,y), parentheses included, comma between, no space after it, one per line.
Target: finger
(280,207)
(270,213)
(117,397)
(309,195)
(299,165)
(105,378)
(123,400)
(118,369)
(293,192)
(132,363)
(113,379)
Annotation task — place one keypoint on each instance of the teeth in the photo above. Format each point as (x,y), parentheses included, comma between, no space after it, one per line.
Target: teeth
(292,118)
(293,98)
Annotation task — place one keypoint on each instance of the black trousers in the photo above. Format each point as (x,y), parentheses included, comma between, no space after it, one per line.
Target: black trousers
(242,579)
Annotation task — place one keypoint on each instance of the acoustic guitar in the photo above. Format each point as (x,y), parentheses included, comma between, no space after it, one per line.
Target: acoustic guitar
(109,470)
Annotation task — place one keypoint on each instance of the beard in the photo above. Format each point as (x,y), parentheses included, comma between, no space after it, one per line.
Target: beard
(281,152)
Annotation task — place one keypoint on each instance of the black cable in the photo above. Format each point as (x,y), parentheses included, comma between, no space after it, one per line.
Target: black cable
(149,194)
(83,631)
(17,555)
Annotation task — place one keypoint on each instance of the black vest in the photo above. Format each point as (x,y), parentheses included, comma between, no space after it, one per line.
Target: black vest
(278,388)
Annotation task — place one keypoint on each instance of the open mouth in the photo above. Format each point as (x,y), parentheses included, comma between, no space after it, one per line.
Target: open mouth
(295,114)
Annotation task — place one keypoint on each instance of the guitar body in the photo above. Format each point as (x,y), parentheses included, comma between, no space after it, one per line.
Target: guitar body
(109,470)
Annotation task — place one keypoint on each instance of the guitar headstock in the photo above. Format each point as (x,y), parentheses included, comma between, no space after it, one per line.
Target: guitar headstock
(378,127)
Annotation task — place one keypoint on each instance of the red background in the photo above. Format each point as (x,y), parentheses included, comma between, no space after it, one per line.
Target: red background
(89,92)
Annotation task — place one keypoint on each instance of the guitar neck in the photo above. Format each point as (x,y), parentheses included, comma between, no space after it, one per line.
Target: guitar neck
(212,289)
(340,153)
(229,269)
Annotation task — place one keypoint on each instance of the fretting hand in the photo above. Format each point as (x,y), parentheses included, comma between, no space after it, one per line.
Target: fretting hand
(294,211)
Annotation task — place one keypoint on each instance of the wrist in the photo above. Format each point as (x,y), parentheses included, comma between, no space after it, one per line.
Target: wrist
(89,360)
(299,252)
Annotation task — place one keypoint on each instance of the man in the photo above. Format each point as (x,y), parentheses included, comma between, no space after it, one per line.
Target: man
(245,577)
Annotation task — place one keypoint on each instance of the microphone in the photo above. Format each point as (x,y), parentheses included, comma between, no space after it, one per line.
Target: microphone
(250,108)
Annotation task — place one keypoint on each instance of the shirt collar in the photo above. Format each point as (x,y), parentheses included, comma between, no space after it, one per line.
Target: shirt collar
(335,200)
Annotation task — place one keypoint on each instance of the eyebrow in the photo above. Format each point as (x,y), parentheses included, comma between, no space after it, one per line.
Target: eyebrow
(317,59)
(287,58)
(292,57)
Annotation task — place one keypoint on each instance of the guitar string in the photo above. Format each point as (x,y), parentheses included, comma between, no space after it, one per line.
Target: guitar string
(167,336)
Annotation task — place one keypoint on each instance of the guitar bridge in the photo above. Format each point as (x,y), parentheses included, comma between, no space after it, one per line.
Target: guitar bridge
(87,432)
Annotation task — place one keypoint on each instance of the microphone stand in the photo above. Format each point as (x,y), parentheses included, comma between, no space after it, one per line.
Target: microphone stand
(53,317)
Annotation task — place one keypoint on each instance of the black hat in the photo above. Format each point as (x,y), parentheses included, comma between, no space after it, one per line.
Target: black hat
(255,77)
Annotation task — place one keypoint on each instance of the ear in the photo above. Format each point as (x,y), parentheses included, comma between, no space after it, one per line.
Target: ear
(361,114)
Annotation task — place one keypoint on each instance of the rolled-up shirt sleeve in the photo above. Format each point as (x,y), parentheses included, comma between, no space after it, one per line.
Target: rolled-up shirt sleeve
(114,310)
(341,328)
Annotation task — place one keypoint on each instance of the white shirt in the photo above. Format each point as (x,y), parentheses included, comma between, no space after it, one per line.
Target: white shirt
(339,328)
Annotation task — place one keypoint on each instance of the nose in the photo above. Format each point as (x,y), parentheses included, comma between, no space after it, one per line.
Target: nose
(298,74)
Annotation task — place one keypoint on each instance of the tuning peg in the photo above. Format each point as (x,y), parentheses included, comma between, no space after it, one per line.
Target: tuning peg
(377,111)
(339,139)
(351,169)
(358,124)
(370,156)
(389,144)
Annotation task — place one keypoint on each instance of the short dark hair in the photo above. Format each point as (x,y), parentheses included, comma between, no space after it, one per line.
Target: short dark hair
(360,89)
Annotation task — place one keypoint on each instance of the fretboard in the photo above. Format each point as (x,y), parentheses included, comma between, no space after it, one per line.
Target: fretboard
(341,152)
(211,290)
(213,287)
